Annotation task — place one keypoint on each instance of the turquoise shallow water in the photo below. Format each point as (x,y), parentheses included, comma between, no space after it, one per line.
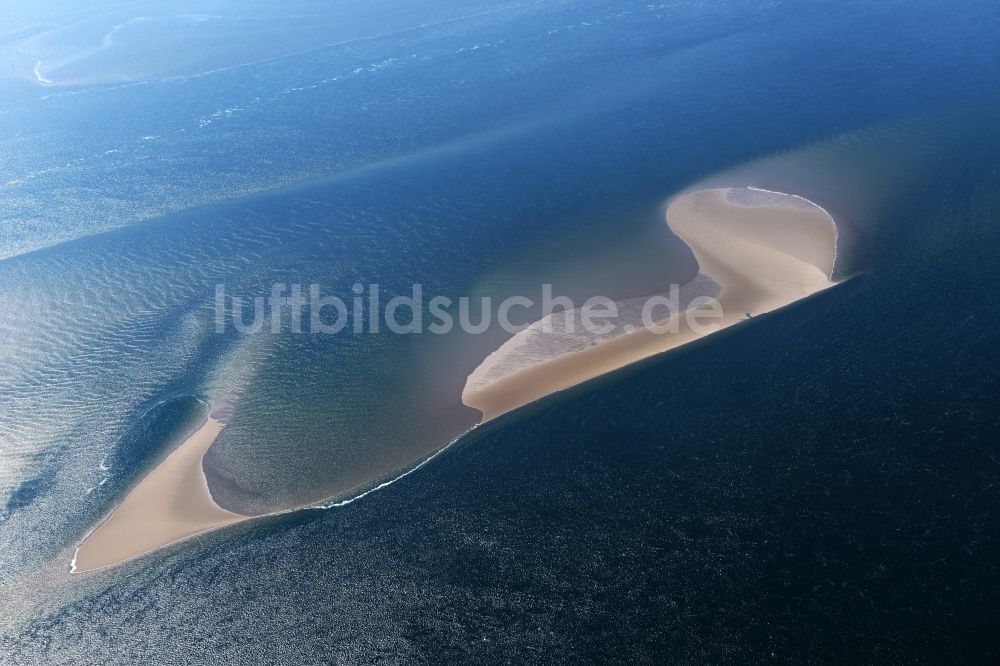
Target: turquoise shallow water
(838,476)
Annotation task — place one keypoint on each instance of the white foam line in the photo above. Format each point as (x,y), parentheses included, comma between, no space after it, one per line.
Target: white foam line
(833,222)
(390,481)
(314,507)
(38,74)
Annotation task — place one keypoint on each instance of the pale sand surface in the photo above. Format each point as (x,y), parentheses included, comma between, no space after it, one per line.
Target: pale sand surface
(172,503)
(563,332)
(765,249)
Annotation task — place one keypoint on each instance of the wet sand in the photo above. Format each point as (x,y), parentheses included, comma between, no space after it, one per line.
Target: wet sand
(170,504)
(765,249)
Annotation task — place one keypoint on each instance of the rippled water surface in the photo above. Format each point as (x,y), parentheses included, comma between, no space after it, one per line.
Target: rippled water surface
(149,153)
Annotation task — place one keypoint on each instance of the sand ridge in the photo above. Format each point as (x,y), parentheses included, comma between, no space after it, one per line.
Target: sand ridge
(765,249)
(761,250)
(170,504)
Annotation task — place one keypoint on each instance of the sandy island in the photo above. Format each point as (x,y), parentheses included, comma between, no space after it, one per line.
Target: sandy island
(170,504)
(757,251)
(764,249)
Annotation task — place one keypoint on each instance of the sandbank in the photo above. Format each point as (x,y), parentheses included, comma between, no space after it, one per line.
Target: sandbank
(765,249)
(757,251)
(170,504)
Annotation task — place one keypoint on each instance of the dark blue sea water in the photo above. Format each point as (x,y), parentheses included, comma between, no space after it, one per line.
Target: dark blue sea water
(819,485)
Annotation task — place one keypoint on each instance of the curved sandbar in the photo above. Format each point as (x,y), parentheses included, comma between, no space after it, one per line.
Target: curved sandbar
(765,249)
(170,504)
(757,251)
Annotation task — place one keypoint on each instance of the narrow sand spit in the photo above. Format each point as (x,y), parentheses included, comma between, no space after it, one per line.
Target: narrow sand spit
(172,503)
(764,249)
(757,251)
